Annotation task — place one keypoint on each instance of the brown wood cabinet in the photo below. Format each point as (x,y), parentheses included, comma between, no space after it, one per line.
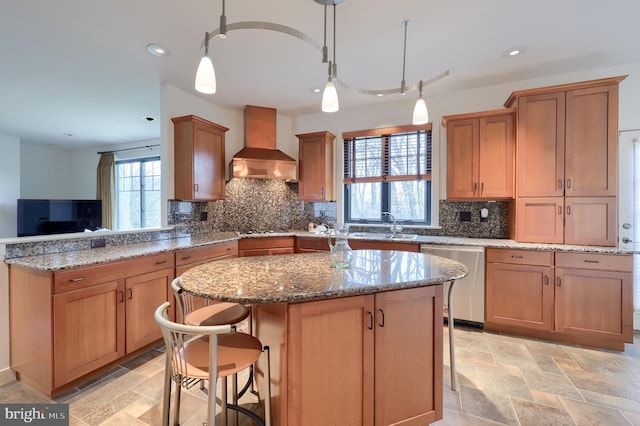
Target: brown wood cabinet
(480,155)
(311,244)
(383,245)
(265,246)
(583,298)
(567,149)
(315,166)
(385,353)
(199,171)
(67,324)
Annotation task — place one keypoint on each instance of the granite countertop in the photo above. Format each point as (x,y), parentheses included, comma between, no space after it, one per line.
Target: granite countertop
(78,258)
(296,278)
(87,257)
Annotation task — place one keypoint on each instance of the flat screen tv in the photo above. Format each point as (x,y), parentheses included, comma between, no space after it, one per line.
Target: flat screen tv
(45,217)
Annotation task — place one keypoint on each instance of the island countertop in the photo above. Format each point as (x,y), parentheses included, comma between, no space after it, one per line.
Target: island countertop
(303,277)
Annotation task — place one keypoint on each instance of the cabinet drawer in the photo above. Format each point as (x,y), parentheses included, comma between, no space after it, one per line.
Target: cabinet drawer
(320,243)
(210,252)
(521,257)
(609,262)
(82,277)
(265,243)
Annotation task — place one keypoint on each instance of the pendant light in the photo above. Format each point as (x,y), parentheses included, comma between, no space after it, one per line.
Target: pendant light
(420,112)
(330,95)
(206,76)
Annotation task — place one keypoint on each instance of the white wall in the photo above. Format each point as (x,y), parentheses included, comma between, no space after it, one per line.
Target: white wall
(9,185)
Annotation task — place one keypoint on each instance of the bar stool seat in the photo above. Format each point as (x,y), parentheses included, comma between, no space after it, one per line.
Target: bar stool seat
(218,314)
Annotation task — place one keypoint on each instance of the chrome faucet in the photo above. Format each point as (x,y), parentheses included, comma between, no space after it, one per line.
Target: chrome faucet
(393,228)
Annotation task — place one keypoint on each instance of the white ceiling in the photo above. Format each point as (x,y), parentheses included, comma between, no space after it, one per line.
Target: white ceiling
(80,67)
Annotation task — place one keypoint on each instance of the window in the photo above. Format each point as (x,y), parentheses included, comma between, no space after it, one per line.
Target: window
(138,193)
(388,170)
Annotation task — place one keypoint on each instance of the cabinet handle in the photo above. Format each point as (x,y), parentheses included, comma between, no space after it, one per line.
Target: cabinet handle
(560,210)
(546,280)
(591,261)
(559,282)
(75,280)
(475,187)
(381,318)
(160,262)
(568,183)
(186,257)
(481,188)
(370,326)
(121,296)
(568,210)
(322,191)
(513,256)
(559,183)
(130,290)
(196,188)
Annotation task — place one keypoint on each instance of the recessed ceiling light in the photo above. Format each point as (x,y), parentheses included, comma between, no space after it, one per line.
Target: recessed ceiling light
(315,90)
(157,49)
(514,51)
(380,95)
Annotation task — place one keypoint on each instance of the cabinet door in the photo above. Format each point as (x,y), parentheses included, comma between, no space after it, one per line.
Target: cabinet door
(594,304)
(315,166)
(208,163)
(540,220)
(591,141)
(144,293)
(462,159)
(591,221)
(408,356)
(88,330)
(330,362)
(496,157)
(541,121)
(519,295)
(383,245)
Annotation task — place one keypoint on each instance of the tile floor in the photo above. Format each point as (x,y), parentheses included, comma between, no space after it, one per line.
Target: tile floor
(503,380)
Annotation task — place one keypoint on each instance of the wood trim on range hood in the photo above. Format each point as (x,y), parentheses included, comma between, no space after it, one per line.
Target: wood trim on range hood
(260,158)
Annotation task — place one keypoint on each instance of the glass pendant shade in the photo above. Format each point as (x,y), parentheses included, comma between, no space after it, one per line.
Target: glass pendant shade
(330,98)
(420,113)
(206,76)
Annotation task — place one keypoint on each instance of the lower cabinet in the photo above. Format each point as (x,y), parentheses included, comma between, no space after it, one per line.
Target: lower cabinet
(583,298)
(67,324)
(265,246)
(361,360)
(311,244)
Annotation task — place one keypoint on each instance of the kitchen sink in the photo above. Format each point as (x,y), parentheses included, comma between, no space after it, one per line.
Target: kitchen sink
(382,236)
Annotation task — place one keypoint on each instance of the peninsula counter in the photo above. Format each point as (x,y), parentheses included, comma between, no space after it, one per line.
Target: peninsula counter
(359,346)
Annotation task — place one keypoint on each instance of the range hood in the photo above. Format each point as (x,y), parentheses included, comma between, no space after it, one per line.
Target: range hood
(259,158)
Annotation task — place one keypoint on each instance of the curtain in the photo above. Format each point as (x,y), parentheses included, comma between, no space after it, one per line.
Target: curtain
(105,191)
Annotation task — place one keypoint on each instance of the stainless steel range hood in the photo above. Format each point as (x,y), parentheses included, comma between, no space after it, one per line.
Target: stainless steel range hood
(259,158)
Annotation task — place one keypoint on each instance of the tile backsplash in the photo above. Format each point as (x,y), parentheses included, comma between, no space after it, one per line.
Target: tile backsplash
(262,204)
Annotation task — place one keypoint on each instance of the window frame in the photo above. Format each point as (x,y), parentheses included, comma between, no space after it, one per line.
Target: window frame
(349,167)
(140,160)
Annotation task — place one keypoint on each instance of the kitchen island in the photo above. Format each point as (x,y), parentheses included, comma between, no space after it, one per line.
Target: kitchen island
(358,346)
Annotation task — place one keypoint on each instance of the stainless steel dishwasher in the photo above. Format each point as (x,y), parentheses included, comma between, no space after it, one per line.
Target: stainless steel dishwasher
(468,297)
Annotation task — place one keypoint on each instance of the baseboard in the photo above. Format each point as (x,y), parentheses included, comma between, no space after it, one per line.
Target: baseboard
(7,376)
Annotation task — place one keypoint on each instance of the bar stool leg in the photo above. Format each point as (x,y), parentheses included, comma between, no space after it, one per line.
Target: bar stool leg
(452,345)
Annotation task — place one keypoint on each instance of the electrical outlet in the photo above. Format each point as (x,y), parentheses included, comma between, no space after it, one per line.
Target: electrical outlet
(465,216)
(203,216)
(98,242)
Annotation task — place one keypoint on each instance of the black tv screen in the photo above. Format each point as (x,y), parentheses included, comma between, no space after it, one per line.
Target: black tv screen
(45,217)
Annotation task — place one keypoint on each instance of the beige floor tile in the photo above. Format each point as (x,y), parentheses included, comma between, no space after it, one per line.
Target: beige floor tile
(488,405)
(534,414)
(584,413)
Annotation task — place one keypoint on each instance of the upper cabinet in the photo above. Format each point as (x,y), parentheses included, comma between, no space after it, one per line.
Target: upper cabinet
(315,173)
(480,155)
(199,171)
(567,163)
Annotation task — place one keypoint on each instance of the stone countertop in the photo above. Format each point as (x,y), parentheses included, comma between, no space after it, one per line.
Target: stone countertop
(79,258)
(296,278)
(89,257)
